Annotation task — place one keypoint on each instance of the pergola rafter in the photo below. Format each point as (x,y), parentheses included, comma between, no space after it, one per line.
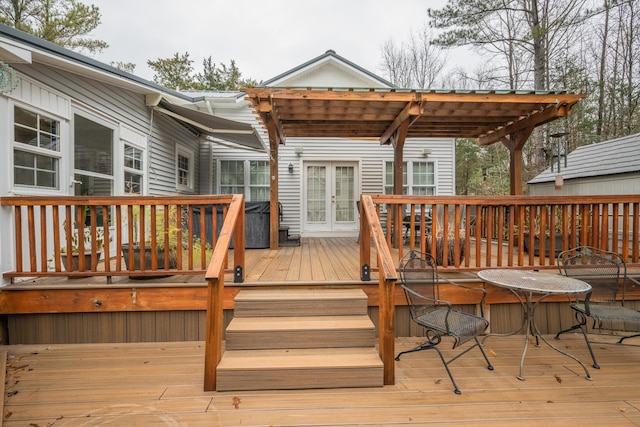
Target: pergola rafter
(392,115)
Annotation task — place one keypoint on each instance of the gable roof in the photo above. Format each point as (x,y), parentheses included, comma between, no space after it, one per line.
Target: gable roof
(616,156)
(19,47)
(364,77)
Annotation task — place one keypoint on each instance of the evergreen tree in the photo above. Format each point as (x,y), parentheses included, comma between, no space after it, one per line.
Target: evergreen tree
(66,23)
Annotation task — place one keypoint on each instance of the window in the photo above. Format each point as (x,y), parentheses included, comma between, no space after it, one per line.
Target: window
(388,175)
(133,169)
(418,178)
(184,169)
(258,180)
(93,157)
(424,180)
(232,177)
(234,174)
(36,154)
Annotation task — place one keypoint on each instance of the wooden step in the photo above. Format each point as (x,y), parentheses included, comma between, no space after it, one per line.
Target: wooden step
(299,369)
(244,333)
(300,302)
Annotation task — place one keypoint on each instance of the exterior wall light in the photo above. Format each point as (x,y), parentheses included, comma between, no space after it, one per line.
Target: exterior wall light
(290,167)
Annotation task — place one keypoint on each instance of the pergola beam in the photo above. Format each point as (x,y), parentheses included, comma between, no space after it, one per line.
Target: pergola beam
(536,119)
(412,109)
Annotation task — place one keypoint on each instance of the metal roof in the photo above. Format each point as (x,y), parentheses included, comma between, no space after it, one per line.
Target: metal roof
(174,102)
(616,156)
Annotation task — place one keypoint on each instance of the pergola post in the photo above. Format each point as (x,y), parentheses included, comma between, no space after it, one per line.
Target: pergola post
(514,143)
(274,143)
(397,140)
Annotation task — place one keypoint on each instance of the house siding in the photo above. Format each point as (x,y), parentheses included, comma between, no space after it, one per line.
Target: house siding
(369,155)
(115,105)
(59,94)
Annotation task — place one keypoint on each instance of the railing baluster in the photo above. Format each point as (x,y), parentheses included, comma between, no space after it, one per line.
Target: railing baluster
(43,238)
(32,239)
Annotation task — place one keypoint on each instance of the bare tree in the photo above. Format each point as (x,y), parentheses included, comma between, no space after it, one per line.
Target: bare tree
(416,64)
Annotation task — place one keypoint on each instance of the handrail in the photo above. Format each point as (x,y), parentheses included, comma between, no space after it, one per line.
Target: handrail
(233,226)
(387,278)
(508,231)
(178,234)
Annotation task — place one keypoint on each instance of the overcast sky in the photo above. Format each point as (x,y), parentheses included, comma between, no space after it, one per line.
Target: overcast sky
(265,38)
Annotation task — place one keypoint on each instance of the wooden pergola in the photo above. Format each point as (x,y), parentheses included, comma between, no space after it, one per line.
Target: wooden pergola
(393,115)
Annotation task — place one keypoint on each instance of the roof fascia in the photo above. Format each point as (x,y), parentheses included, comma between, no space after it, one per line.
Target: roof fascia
(327,56)
(53,55)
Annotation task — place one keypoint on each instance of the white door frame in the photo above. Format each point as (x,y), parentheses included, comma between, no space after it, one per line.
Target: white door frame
(328,225)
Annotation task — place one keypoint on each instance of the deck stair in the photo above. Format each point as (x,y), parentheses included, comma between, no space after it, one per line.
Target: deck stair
(286,239)
(300,339)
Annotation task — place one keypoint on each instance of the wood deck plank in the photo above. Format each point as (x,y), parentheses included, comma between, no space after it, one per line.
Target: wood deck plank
(157,384)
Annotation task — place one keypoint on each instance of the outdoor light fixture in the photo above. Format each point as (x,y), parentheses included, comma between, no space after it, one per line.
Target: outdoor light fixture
(426,152)
(290,167)
(299,150)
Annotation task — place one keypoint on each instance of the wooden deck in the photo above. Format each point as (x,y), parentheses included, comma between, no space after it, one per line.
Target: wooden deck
(161,384)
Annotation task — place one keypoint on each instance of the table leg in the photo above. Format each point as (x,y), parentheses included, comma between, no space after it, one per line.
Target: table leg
(522,326)
(529,324)
(536,331)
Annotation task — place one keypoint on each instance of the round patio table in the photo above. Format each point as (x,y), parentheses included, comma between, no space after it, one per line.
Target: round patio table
(525,284)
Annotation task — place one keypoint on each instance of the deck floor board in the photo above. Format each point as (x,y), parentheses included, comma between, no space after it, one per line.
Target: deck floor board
(161,383)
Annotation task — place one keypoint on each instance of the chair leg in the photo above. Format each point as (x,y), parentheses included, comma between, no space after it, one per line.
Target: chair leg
(582,325)
(424,346)
(456,390)
(574,327)
(580,318)
(428,345)
(628,336)
(586,339)
(489,365)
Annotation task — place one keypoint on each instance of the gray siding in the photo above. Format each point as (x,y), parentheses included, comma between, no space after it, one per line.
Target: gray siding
(120,106)
(369,155)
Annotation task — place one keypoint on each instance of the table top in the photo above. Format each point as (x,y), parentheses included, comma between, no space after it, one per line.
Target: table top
(534,281)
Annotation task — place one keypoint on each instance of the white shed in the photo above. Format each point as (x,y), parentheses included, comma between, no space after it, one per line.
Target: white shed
(608,167)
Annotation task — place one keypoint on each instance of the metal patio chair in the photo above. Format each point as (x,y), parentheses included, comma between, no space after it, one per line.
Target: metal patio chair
(606,272)
(420,282)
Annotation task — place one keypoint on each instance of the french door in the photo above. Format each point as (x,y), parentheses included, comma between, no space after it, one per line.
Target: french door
(329,192)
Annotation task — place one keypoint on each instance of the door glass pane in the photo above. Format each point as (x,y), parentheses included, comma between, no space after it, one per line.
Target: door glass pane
(316,194)
(345,197)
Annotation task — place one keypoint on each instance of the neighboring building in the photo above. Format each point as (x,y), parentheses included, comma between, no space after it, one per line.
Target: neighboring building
(75,126)
(321,179)
(609,167)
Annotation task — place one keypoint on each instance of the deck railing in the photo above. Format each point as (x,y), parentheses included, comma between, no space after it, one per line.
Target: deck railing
(121,235)
(510,231)
(233,226)
(371,231)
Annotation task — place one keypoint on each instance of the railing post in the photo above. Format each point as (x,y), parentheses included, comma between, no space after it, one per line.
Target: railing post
(387,334)
(386,284)
(239,247)
(213,340)
(365,247)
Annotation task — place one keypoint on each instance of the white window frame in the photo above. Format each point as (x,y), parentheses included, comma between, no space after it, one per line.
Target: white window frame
(190,155)
(249,187)
(132,170)
(93,117)
(58,155)
(246,185)
(408,174)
